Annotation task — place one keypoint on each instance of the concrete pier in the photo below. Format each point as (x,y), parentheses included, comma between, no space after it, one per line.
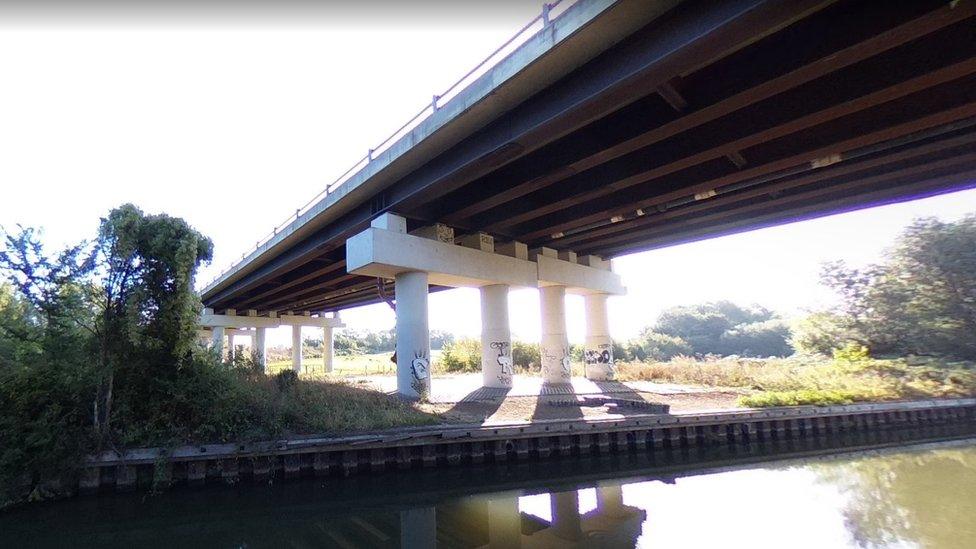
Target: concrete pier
(565,515)
(296,349)
(554,352)
(260,350)
(418,528)
(218,340)
(328,349)
(598,350)
(496,337)
(413,336)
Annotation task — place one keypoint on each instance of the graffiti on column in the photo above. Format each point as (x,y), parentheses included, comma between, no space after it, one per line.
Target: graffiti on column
(504,359)
(559,358)
(567,364)
(420,370)
(601,356)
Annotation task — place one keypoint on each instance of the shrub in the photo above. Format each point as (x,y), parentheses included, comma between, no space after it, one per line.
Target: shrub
(851,353)
(814,397)
(758,339)
(525,356)
(819,333)
(463,355)
(652,345)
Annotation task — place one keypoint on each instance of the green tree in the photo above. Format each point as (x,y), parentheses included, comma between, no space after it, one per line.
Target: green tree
(921,299)
(721,328)
(147,307)
(651,345)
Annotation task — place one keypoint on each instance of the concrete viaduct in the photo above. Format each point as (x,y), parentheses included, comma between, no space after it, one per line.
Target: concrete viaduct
(619,127)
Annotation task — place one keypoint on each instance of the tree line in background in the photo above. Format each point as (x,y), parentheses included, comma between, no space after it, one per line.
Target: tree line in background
(920,300)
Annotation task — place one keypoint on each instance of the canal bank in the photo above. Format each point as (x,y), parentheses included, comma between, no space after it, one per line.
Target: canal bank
(807,496)
(455,446)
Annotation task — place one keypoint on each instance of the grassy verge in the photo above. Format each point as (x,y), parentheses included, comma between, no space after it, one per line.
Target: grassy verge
(817,381)
(240,405)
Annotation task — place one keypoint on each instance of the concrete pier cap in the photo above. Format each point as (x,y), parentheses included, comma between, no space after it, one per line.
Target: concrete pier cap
(386,250)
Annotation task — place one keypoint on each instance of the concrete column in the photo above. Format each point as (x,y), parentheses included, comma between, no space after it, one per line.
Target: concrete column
(504,523)
(556,366)
(328,349)
(296,349)
(565,515)
(610,501)
(412,335)
(260,349)
(418,528)
(230,345)
(218,340)
(598,351)
(496,337)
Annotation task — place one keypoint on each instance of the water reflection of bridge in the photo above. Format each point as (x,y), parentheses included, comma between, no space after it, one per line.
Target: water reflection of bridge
(497,522)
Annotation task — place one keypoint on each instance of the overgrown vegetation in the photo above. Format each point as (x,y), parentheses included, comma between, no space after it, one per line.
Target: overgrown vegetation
(98,350)
(719,328)
(920,300)
(847,378)
(464,356)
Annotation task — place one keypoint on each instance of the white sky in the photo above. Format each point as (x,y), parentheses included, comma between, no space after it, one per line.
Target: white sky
(233,126)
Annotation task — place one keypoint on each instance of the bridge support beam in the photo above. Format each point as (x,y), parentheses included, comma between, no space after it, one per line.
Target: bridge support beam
(296,349)
(413,336)
(556,363)
(496,337)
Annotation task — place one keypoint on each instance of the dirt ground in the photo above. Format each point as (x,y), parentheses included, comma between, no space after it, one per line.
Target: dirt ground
(528,408)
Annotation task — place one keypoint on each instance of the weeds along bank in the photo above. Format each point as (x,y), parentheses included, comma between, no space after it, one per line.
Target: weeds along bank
(844,379)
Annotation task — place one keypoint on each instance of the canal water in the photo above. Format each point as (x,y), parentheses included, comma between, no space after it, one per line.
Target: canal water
(917,495)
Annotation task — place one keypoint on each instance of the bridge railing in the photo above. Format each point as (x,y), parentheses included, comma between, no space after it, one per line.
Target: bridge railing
(550,11)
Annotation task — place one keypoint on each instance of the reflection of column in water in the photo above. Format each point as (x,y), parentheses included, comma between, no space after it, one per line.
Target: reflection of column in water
(565,515)
(610,501)
(418,528)
(504,522)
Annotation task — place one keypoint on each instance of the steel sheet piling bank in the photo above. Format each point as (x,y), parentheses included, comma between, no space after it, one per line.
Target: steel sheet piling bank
(453,445)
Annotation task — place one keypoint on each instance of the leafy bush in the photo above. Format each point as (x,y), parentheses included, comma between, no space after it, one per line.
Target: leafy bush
(651,345)
(851,353)
(719,328)
(526,357)
(814,397)
(819,333)
(463,355)
(758,339)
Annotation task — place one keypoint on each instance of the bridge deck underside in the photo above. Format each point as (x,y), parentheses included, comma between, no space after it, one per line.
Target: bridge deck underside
(685,131)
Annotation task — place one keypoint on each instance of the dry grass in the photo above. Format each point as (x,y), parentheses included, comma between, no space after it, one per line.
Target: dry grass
(814,380)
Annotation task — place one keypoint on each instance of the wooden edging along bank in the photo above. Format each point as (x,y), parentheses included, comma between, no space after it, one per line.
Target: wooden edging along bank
(445,445)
